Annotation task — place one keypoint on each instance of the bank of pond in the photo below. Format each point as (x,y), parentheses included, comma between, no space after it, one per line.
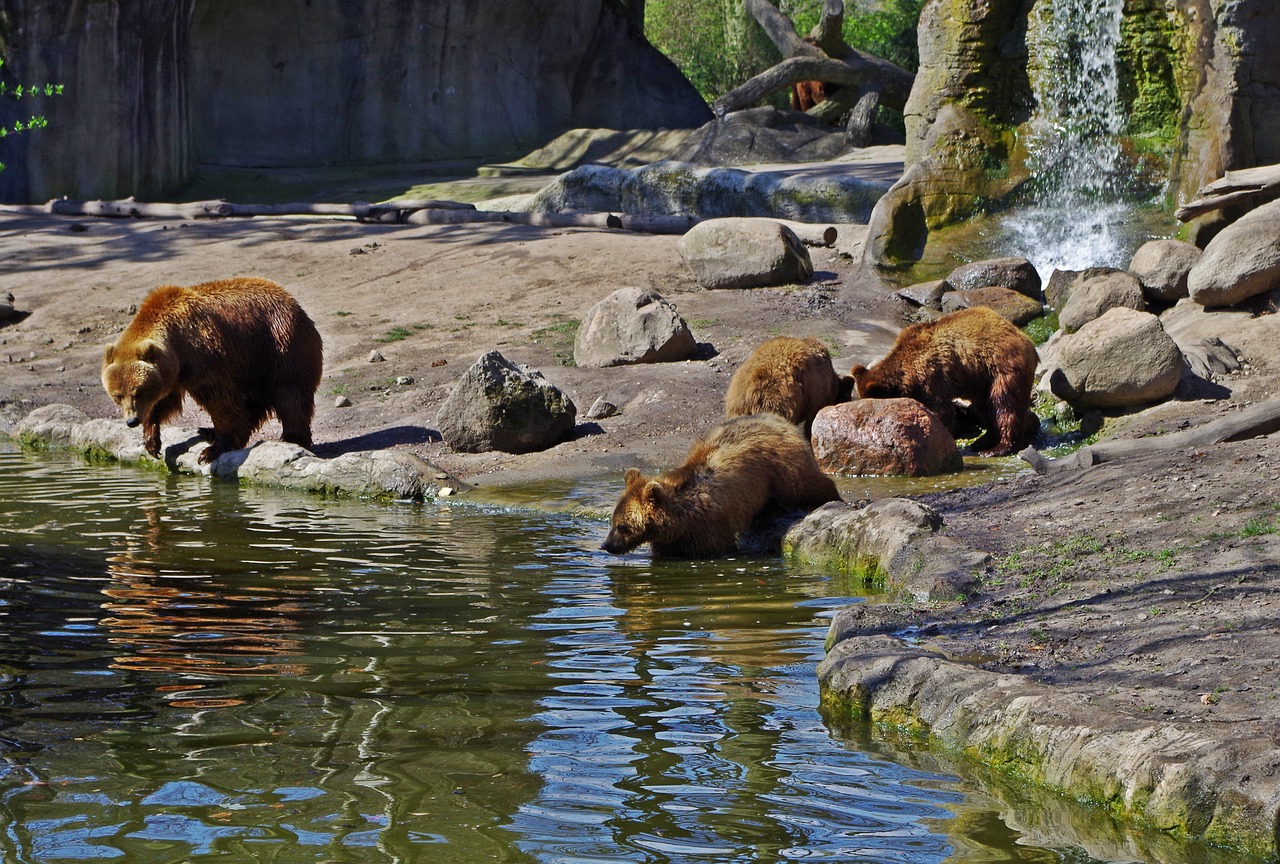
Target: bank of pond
(195,667)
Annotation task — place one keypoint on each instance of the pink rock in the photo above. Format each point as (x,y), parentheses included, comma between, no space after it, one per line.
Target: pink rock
(883,437)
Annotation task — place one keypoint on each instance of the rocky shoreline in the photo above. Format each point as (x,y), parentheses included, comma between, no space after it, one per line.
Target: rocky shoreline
(1141,591)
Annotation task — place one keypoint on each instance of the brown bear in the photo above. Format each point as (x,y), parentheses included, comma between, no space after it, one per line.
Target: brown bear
(730,476)
(972,354)
(786,376)
(242,348)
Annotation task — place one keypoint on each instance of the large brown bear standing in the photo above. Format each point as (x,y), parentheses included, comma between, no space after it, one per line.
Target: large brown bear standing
(242,348)
(737,470)
(972,354)
(789,377)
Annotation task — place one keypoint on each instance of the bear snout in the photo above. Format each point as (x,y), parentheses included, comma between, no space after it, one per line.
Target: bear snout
(133,422)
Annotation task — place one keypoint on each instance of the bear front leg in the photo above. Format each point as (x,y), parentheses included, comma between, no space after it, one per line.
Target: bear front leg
(169,406)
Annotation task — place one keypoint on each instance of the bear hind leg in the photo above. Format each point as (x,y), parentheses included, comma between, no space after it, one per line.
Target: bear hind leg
(295,412)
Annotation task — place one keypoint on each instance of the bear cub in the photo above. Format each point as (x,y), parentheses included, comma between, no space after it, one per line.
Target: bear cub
(787,376)
(242,348)
(729,478)
(972,354)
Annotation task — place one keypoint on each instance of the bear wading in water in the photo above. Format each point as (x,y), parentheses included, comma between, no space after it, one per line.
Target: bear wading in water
(787,376)
(242,348)
(730,477)
(972,354)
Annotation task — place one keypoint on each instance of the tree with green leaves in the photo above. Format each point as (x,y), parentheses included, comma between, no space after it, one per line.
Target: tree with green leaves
(19,93)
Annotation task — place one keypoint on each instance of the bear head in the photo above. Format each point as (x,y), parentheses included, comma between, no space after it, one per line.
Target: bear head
(870,386)
(641,514)
(137,376)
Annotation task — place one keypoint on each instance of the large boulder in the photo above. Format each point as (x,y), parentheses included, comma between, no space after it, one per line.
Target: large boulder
(745,253)
(1016,274)
(632,325)
(1123,359)
(1008,304)
(500,405)
(1093,295)
(1161,268)
(1242,261)
(675,188)
(883,437)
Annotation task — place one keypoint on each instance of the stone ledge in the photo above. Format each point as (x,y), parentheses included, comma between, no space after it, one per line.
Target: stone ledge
(384,474)
(1190,784)
(894,539)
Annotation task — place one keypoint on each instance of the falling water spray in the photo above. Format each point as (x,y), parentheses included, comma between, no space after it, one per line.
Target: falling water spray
(1080,202)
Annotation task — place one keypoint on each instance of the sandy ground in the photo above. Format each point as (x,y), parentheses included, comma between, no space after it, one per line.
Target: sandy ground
(1150,586)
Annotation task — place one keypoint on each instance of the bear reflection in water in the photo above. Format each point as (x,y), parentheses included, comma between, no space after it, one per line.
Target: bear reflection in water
(732,475)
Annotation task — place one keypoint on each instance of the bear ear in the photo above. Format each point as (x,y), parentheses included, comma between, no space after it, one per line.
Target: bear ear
(632,476)
(148,350)
(845,386)
(654,492)
(108,352)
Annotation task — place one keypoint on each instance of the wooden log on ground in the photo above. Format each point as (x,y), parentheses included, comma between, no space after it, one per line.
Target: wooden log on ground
(1262,418)
(1231,188)
(131,208)
(624,221)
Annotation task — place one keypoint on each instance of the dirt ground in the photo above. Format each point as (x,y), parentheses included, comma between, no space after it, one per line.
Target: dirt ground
(1150,586)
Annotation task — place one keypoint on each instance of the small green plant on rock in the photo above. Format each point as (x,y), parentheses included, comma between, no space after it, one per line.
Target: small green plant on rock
(18,93)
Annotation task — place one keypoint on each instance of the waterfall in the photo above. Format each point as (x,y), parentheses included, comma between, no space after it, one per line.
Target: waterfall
(1079,208)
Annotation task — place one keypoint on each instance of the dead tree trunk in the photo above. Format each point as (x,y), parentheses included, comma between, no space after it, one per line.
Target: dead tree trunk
(863,80)
(1231,188)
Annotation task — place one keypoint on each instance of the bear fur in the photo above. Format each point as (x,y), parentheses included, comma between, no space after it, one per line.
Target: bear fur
(730,477)
(787,376)
(972,354)
(241,348)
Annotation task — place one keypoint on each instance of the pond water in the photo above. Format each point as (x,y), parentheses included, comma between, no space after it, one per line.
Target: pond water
(193,670)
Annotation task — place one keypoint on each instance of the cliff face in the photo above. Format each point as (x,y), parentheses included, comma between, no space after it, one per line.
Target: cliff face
(154,87)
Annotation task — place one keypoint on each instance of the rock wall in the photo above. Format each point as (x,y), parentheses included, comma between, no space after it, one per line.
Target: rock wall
(154,87)
(1198,78)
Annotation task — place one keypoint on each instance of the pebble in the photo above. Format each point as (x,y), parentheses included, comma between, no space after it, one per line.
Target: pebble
(404,380)
(375,356)
(342,402)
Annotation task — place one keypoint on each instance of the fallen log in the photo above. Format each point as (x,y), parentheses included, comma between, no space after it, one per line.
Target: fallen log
(1262,418)
(412,212)
(627,222)
(131,208)
(1231,188)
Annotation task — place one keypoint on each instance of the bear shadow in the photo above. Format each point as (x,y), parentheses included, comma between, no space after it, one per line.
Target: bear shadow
(381,439)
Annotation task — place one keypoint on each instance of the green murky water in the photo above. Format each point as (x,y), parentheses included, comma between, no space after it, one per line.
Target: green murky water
(194,671)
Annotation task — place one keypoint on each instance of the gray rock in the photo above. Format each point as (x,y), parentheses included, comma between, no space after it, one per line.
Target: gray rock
(1161,268)
(1008,304)
(883,437)
(1242,261)
(368,474)
(6,305)
(1093,294)
(1016,274)
(745,253)
(632,325)
(601,409)
(1122,359)
(927,294)
(674,188)
(892,538)
(50,424)
(500,405)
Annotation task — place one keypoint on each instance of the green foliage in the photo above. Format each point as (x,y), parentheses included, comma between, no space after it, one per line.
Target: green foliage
(18,93)
(717,45)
